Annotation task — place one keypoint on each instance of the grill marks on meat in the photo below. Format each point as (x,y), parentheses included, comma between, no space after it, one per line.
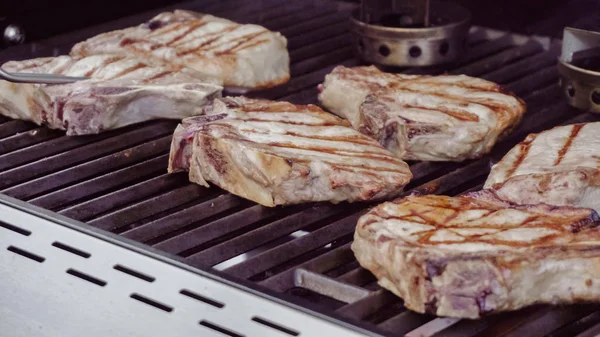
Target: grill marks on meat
(122,91)
(476,254)
(523,149)
(212,39)
(242,56)
(555,167)
(459,88)
(279,153)
(561,153)
(416,116)
(523,240)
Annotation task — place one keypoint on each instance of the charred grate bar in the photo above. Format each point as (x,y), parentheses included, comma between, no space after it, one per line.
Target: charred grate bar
(117,182)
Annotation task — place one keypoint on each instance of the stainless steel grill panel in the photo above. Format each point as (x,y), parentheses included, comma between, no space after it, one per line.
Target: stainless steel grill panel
(64,282)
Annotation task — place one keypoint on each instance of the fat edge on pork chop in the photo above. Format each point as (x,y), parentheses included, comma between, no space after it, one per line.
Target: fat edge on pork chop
(122,91)
(278,153)
(474,255)
(243,56)
(418,117)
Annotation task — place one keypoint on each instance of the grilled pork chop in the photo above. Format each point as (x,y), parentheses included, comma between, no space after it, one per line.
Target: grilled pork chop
(474,255)
(244,56)
(417,117)
(559,166)
(277,153)
(121,91)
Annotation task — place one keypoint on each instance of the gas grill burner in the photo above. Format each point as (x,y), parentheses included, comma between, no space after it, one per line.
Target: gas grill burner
(579,68)
(410,33)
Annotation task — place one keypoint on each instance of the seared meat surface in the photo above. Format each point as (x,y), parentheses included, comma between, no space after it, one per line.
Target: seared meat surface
(278,153)
(242,56)
(122,91)
(474,255)
(559,166)
(417,117)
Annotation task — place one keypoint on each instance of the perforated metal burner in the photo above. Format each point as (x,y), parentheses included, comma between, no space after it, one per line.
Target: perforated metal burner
(579,68)
(410,33)
(298,273)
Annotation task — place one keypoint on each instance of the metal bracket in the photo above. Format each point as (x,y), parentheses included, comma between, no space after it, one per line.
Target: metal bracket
(440,42)
(579,68)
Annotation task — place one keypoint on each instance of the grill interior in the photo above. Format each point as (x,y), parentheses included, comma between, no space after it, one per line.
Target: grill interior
(117,181)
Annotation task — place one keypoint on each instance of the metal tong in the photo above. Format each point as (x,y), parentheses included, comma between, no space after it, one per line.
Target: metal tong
(38,78)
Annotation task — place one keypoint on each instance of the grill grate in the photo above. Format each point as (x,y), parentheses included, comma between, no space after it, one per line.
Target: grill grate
(117,181)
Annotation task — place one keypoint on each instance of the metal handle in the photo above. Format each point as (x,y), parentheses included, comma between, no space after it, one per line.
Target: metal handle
(38,78)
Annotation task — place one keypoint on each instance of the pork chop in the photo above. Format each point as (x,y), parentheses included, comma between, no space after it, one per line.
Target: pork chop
(122,91)
(417,117)
(474,255)
(559,166)
(242,56)
(278,153)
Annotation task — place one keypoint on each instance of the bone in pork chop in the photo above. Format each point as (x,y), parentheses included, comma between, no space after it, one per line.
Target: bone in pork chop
(277,153)
(242,56)
(417,117)
(474,255)
(121,91)
(559,166)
